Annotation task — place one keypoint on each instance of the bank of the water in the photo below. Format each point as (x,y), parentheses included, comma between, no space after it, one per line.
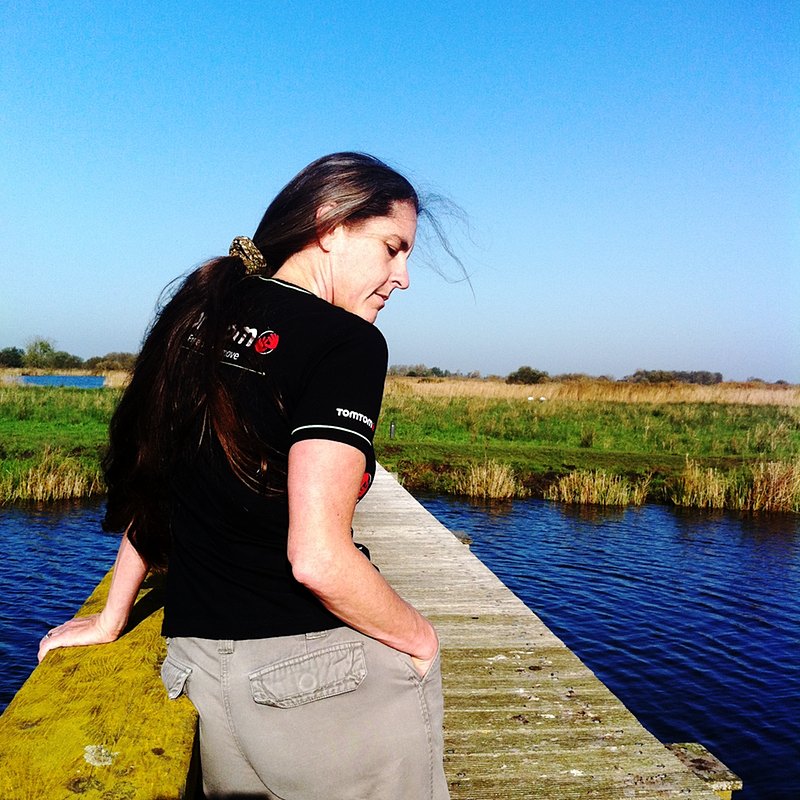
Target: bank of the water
(430,467)
(429,443)
(691,618)
(52,440)
(707,482)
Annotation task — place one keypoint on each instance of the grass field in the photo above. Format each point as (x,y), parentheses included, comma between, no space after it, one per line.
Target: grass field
(654,437)
(51,441)
(728,445)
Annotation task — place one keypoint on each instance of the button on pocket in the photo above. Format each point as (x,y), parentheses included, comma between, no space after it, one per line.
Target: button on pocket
(324,673)
(174,675)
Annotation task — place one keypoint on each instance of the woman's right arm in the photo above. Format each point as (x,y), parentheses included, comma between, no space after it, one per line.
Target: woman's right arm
(130,570)
(324,479)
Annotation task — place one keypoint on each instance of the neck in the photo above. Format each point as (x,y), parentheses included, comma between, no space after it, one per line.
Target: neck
(307,270)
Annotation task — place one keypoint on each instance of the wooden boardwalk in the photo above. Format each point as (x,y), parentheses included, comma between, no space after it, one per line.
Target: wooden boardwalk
(524,717)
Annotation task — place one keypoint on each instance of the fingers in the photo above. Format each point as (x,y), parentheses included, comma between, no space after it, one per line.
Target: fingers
(45,644)
(422,665)
(76,631)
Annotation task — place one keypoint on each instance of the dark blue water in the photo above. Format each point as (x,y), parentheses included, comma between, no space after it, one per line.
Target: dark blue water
(51,561)
(79,381)
(691,619)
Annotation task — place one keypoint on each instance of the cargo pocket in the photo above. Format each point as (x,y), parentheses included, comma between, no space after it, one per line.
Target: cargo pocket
(324,673)
(174,675)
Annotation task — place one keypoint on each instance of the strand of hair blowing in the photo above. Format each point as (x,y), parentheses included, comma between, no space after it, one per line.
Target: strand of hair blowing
(173,398)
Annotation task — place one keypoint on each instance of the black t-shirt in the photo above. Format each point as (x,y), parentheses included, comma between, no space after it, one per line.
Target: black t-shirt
(297,368)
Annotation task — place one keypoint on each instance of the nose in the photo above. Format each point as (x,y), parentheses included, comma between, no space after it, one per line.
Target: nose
(400,277)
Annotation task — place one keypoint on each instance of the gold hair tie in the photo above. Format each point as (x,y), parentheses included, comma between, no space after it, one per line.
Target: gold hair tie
(251,256)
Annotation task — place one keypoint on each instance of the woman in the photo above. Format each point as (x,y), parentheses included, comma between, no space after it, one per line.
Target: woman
(238,453)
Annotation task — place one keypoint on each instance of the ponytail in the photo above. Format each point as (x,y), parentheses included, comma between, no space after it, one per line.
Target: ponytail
(174,397)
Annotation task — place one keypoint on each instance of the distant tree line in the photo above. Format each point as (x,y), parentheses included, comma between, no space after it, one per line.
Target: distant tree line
(423,371)
(42,354)
(528,375)
(702,377)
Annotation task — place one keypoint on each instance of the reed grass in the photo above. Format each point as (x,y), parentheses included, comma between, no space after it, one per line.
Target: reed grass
(601,391)
(700,487)
(488,480)
(764,486)
(49,476)
(598,487)
(773,486)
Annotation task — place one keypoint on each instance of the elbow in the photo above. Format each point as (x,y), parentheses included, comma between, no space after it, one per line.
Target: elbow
(304,573)
(312,569)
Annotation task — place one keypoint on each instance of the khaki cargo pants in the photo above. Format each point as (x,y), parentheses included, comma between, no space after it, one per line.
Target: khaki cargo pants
(332,715)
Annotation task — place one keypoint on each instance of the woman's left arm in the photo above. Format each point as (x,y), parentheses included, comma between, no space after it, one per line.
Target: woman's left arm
(130,570)
(324,479)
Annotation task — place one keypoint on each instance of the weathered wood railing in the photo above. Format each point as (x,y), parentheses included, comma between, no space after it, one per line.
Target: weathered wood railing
(524,718)
(95,722)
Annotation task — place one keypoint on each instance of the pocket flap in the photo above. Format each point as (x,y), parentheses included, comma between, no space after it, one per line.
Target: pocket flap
(174,675)
(324,673)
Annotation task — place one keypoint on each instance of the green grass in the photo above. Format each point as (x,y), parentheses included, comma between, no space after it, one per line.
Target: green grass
(436,438)
(51,441)
(703,429)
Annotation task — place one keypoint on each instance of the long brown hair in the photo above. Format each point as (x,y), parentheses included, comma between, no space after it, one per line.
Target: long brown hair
(175,397)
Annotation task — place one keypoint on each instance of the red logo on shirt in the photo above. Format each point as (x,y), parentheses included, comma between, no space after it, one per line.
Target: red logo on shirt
(365,482)
(266,342)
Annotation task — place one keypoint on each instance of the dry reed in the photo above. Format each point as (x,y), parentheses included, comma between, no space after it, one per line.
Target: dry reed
(701,487)
(590,487)
(53,476)
(601,391)
(488,481)
(117,379)
(766,486)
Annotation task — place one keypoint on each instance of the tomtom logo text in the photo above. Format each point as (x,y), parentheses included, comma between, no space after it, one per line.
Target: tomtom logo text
(345,412)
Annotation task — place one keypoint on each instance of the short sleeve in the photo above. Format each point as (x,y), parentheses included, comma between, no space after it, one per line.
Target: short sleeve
(341,397)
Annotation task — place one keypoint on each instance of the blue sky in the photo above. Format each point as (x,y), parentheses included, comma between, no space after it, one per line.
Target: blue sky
(629,170)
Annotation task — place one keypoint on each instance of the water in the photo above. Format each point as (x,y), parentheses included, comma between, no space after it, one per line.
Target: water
(691,619)
(51,561)
(79,381)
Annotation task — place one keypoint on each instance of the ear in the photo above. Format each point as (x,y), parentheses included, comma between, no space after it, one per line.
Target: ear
(326,235)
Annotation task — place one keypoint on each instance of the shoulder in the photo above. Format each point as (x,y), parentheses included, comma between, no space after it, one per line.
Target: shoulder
(323,326)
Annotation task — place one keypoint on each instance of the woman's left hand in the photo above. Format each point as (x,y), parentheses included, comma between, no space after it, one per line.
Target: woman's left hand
(76,632)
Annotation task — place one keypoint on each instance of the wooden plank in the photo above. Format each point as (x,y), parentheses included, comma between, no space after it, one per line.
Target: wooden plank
(524,717)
